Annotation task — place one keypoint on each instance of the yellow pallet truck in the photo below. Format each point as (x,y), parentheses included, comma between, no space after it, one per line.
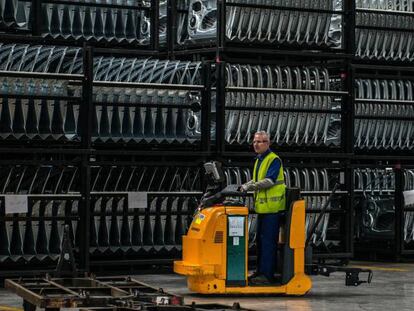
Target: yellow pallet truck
(215,249)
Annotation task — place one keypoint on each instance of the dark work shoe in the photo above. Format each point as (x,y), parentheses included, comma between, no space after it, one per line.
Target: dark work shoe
(260,280)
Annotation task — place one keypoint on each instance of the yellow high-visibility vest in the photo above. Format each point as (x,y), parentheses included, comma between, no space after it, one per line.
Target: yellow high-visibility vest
(273,199)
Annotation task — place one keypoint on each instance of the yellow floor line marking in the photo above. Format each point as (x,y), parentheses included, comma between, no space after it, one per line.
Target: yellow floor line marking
(5,308)
(381,269)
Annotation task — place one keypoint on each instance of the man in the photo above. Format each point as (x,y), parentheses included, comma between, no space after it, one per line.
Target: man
(269,187)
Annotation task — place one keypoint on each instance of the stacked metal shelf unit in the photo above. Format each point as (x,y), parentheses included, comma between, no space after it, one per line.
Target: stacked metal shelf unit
(383,143)
(81,124)
(383,220)
(316,179)
(31,240)
(130,24)
(43,156)
(383,140)
(86,122)
(282,67)
(150,134)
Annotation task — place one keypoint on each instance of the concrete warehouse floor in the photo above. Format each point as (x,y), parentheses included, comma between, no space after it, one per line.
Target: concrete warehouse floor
(392,289)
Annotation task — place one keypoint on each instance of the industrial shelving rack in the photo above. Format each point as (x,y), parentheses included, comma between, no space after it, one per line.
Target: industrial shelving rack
(39,21)
(43,161)
(224,52)
(361,25)
(103,225)
(387,60)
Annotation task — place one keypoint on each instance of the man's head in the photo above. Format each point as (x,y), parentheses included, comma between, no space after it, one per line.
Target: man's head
(261,142)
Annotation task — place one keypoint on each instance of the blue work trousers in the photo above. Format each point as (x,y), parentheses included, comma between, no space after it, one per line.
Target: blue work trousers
(267,239)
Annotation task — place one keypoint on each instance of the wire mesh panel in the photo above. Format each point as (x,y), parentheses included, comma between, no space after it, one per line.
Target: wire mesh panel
(384,30)
(308,24)
(297,106)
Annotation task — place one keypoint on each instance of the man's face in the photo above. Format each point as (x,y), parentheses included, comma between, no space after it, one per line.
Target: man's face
(260,143)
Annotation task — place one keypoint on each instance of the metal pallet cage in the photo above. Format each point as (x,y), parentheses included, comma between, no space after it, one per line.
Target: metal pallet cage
(384,222)
(125,23)
(116,229)
(288,24)
(136,100)
(136,121)
(383,108)
(297,105)
(316,184)
(383,30)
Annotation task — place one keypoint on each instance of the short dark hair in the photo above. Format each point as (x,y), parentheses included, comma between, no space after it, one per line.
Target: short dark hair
(263,133)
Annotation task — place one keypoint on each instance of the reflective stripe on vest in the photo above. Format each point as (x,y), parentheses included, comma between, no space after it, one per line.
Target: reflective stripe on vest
(273,199)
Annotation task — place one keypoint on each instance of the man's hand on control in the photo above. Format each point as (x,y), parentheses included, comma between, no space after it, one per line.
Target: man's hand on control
(247,186)
(254,186)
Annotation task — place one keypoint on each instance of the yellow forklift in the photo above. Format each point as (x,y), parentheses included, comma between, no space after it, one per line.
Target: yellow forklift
(215,248)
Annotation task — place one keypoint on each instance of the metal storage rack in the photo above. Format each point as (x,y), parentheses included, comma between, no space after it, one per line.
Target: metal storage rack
(383,222)
(383,149)
(375,40)
(118,116)
(263,27)
(258,80)
(383,31)
(59,22)
(316,180)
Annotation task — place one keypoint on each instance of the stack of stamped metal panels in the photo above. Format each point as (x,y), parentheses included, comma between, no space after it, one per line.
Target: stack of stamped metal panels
(315,184)
(375,204)
(117,21)
(146,103)
(384,30)
(315,24)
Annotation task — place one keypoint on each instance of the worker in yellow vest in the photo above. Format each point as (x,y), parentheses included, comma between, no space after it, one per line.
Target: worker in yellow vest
(268,184)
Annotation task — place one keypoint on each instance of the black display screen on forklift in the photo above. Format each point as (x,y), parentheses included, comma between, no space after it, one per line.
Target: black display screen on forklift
(214,170)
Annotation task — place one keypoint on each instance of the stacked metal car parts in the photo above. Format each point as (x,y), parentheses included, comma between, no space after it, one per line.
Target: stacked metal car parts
(408,215)
(32,118)
(374,40)
(29,118)
(14,14)
(126,21)
(287,127)
(38,108)
(115,227)
(37,234)
(375,99)
(157,229)
(312,180)
(376,204)
(100,23)
(149,123)
(308,180)
(264,25)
